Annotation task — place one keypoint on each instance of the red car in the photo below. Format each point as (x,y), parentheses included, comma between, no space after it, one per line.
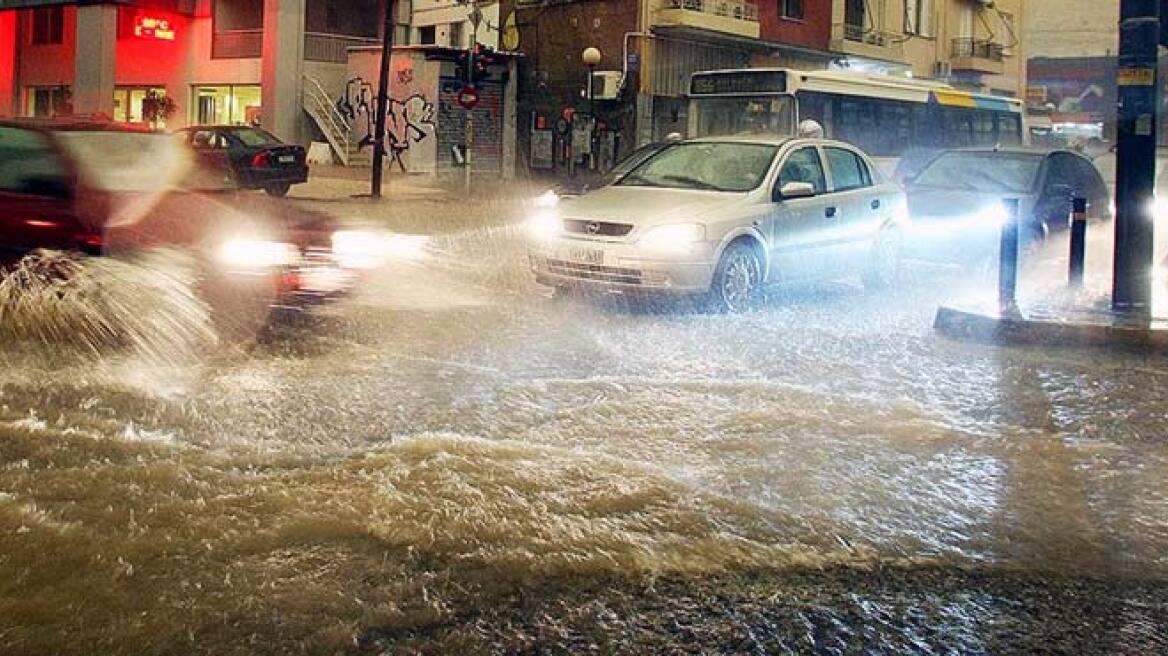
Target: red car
(104,189)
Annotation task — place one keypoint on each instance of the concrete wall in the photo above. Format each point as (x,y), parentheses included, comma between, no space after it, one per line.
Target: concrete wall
(414,88)
(441,13)
(1071,28)
(813,32)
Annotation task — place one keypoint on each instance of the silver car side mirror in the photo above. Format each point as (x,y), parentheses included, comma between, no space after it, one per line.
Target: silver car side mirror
(793,190)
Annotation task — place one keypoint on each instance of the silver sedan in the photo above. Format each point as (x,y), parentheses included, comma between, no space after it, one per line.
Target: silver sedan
(722,218)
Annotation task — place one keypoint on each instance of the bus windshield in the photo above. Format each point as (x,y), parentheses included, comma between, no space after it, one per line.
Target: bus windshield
(728,116)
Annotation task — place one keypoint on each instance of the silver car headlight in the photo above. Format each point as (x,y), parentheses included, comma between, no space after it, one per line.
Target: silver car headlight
(673,238)
(254,254)
(544,225)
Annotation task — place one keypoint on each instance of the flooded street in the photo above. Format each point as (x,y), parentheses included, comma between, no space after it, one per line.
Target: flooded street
(455,460)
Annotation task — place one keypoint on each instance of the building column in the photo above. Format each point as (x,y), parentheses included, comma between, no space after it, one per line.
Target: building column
(510,117)
(283,54)
(95,59)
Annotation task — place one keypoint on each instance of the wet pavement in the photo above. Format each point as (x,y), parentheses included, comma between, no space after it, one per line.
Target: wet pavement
(454,459)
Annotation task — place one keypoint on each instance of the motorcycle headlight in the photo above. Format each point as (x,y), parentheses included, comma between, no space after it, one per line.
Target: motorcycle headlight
(675,238)
(257,254)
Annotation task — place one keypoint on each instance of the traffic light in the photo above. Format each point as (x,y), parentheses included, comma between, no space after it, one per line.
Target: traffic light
(461,62)
(484,59)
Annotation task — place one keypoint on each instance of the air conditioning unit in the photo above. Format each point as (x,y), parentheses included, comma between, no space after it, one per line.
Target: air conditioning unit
(606,85)
(942,70)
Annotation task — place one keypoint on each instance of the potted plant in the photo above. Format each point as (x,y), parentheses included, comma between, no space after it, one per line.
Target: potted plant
(157,107)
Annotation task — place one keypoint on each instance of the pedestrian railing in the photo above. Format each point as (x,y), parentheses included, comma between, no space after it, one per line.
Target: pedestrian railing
(335,126)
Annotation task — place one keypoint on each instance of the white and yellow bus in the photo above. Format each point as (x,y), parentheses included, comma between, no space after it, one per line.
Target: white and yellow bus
(889,117)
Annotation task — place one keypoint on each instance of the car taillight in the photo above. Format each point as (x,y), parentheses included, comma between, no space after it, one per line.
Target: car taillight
(261,159)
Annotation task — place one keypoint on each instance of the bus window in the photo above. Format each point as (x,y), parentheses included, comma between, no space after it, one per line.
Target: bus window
(984,132)
(717,117)
(956,128)
(855,122)
(1009,129)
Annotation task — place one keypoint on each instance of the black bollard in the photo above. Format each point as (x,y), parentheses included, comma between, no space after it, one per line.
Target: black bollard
(1008,260)
(1078,242)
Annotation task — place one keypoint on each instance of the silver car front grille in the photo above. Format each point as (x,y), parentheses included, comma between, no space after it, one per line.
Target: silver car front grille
(599,273)
(596,228)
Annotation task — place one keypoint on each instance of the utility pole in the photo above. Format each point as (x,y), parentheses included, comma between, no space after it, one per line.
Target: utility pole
(476,17)
(382,100)
(1135,178)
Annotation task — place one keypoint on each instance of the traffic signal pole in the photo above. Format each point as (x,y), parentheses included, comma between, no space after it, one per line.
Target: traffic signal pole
(1135,179)
(382,101)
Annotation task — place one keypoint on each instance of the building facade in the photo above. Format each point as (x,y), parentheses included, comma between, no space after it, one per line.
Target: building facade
(218,61)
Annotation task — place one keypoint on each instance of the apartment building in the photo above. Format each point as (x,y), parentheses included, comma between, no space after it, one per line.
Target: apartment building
(972,44)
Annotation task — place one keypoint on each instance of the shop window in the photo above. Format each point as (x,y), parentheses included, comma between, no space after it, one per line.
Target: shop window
(49,101)
(227,105)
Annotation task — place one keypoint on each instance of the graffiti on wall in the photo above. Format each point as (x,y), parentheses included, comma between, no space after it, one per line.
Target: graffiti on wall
(408,120)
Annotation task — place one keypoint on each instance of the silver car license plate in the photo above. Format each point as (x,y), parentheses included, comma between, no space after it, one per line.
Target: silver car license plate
(586,255)
(286,159)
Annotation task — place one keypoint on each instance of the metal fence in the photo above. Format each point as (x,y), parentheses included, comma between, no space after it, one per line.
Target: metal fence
(979,49)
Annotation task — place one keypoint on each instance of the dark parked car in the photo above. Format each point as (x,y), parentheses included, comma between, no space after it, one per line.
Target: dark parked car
(254,158)
(956,201)
(102,189)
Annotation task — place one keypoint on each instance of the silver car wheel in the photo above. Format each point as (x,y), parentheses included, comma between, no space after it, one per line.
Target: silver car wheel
(741,274)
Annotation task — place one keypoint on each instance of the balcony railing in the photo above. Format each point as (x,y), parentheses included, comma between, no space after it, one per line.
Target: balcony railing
(332,48)
(743,10)
(978,49)
(237,44)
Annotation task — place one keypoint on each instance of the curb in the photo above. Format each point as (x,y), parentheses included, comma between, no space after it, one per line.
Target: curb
(1018,330)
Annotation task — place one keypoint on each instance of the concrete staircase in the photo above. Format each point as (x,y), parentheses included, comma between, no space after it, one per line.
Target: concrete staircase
(362,157)
(335,126)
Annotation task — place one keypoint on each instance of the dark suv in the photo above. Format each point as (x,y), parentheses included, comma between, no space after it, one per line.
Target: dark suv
(96,188)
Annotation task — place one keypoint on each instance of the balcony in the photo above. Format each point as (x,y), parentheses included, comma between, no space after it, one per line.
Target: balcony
(332,48)
(237,44)
(850,39)
(978,56)
(736,17)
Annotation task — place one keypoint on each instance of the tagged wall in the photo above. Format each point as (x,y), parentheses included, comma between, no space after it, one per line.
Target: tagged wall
(411,131)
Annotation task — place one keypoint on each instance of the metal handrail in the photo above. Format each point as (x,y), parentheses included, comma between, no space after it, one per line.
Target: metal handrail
(327,114)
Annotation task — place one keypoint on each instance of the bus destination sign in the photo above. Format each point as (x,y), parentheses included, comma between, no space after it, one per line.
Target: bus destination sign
(738,82)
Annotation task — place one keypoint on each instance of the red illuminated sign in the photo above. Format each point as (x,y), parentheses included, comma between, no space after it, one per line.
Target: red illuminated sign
(149,27)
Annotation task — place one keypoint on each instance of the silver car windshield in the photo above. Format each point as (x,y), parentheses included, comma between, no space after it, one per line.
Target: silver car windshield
(708,166)
(988,172)
(128,161)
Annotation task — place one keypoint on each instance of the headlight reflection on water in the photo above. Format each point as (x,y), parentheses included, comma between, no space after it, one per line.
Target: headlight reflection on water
(370,249)
(257,254)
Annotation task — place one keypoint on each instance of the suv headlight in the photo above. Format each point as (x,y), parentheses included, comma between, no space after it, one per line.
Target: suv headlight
(673,238)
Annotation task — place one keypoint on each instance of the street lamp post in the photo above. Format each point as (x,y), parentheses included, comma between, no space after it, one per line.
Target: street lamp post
(591,58)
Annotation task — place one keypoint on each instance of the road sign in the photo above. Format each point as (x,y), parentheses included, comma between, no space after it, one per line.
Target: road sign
(468,98)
